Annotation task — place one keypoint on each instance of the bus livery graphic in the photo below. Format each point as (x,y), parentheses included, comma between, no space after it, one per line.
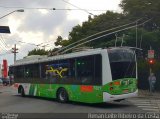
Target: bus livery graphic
(58,71)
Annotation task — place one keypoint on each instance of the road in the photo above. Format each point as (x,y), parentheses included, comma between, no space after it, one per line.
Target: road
(13,103)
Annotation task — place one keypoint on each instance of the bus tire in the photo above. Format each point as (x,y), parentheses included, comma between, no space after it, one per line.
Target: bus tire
(22,92)
(62,95)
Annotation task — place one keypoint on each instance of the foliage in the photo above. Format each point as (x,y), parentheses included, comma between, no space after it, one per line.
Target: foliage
(143,8)
(61,42)
(37,52)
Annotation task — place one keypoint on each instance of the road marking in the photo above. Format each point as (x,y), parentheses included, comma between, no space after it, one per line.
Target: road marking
(145,104)
(140,101)
(149,105)
(136,102)
(151,110)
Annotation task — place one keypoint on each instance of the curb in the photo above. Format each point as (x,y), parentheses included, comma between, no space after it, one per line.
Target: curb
(147,94)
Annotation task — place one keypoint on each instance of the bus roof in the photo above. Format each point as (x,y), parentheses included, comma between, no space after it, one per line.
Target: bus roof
(39,59)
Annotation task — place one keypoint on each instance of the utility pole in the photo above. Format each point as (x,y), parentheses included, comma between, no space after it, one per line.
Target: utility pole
(14,51)
(136,35)
(116,40)
(141,41)
(150,69)
(122,40)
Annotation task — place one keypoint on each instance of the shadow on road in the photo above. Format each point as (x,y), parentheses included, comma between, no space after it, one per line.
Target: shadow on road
(108,105)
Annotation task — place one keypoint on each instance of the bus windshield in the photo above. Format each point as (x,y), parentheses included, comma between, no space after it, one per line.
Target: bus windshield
(122,62)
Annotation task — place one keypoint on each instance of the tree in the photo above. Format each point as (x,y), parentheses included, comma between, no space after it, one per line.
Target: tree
(143,9)
(61,42)
(38,52)
(94,25)
(58,41)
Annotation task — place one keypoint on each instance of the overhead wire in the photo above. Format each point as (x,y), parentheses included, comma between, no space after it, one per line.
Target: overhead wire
(19,54)
(4,43)
(77,7)
(38,45)
(3,47)
(62,9)
(27,43)
(43,8)
(95,35)
(6,53)
(107,35)
(10,7)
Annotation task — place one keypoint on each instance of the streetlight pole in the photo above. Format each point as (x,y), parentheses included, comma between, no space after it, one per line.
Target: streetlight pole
(20,10)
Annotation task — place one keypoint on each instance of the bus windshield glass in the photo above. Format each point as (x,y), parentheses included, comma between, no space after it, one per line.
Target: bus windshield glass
(122,62)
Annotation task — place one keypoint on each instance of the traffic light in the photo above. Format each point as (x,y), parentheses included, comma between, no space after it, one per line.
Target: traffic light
(151,61)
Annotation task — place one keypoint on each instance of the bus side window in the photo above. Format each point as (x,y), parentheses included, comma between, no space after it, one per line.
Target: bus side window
(97,70)
(64,68)
(85,69)
(72,71)
(47,73)
(18,72)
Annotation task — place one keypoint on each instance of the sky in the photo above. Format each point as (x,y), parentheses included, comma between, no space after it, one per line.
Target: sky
(42,26)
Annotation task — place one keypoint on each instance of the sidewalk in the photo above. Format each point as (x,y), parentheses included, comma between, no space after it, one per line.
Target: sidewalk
(147,94)
(153,98)
(9,89)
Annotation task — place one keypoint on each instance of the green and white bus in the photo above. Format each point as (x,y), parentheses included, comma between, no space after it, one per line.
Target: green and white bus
(91,76)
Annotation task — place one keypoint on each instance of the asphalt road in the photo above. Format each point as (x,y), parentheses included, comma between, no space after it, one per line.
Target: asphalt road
(10,102)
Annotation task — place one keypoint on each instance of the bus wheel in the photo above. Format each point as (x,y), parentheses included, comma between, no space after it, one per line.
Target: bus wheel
(62,95)
(22,92)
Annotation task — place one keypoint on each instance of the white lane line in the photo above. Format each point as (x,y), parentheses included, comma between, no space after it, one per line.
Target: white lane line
(139,99)
(146,104)
(151,110)
(141,102)
(148,107)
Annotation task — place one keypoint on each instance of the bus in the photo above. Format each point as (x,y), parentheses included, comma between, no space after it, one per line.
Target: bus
(91,76)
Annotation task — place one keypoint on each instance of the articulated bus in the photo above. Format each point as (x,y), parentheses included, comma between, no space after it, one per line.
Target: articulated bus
(92,76)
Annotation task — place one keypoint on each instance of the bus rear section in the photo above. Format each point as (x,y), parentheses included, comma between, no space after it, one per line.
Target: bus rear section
(123,69)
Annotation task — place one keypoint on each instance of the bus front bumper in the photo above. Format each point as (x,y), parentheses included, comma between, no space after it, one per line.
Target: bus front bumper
(108,97)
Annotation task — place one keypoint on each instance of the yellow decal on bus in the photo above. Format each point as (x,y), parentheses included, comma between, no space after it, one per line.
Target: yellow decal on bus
(58,71)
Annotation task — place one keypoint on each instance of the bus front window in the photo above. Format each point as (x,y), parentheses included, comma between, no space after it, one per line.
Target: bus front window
(122,63)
